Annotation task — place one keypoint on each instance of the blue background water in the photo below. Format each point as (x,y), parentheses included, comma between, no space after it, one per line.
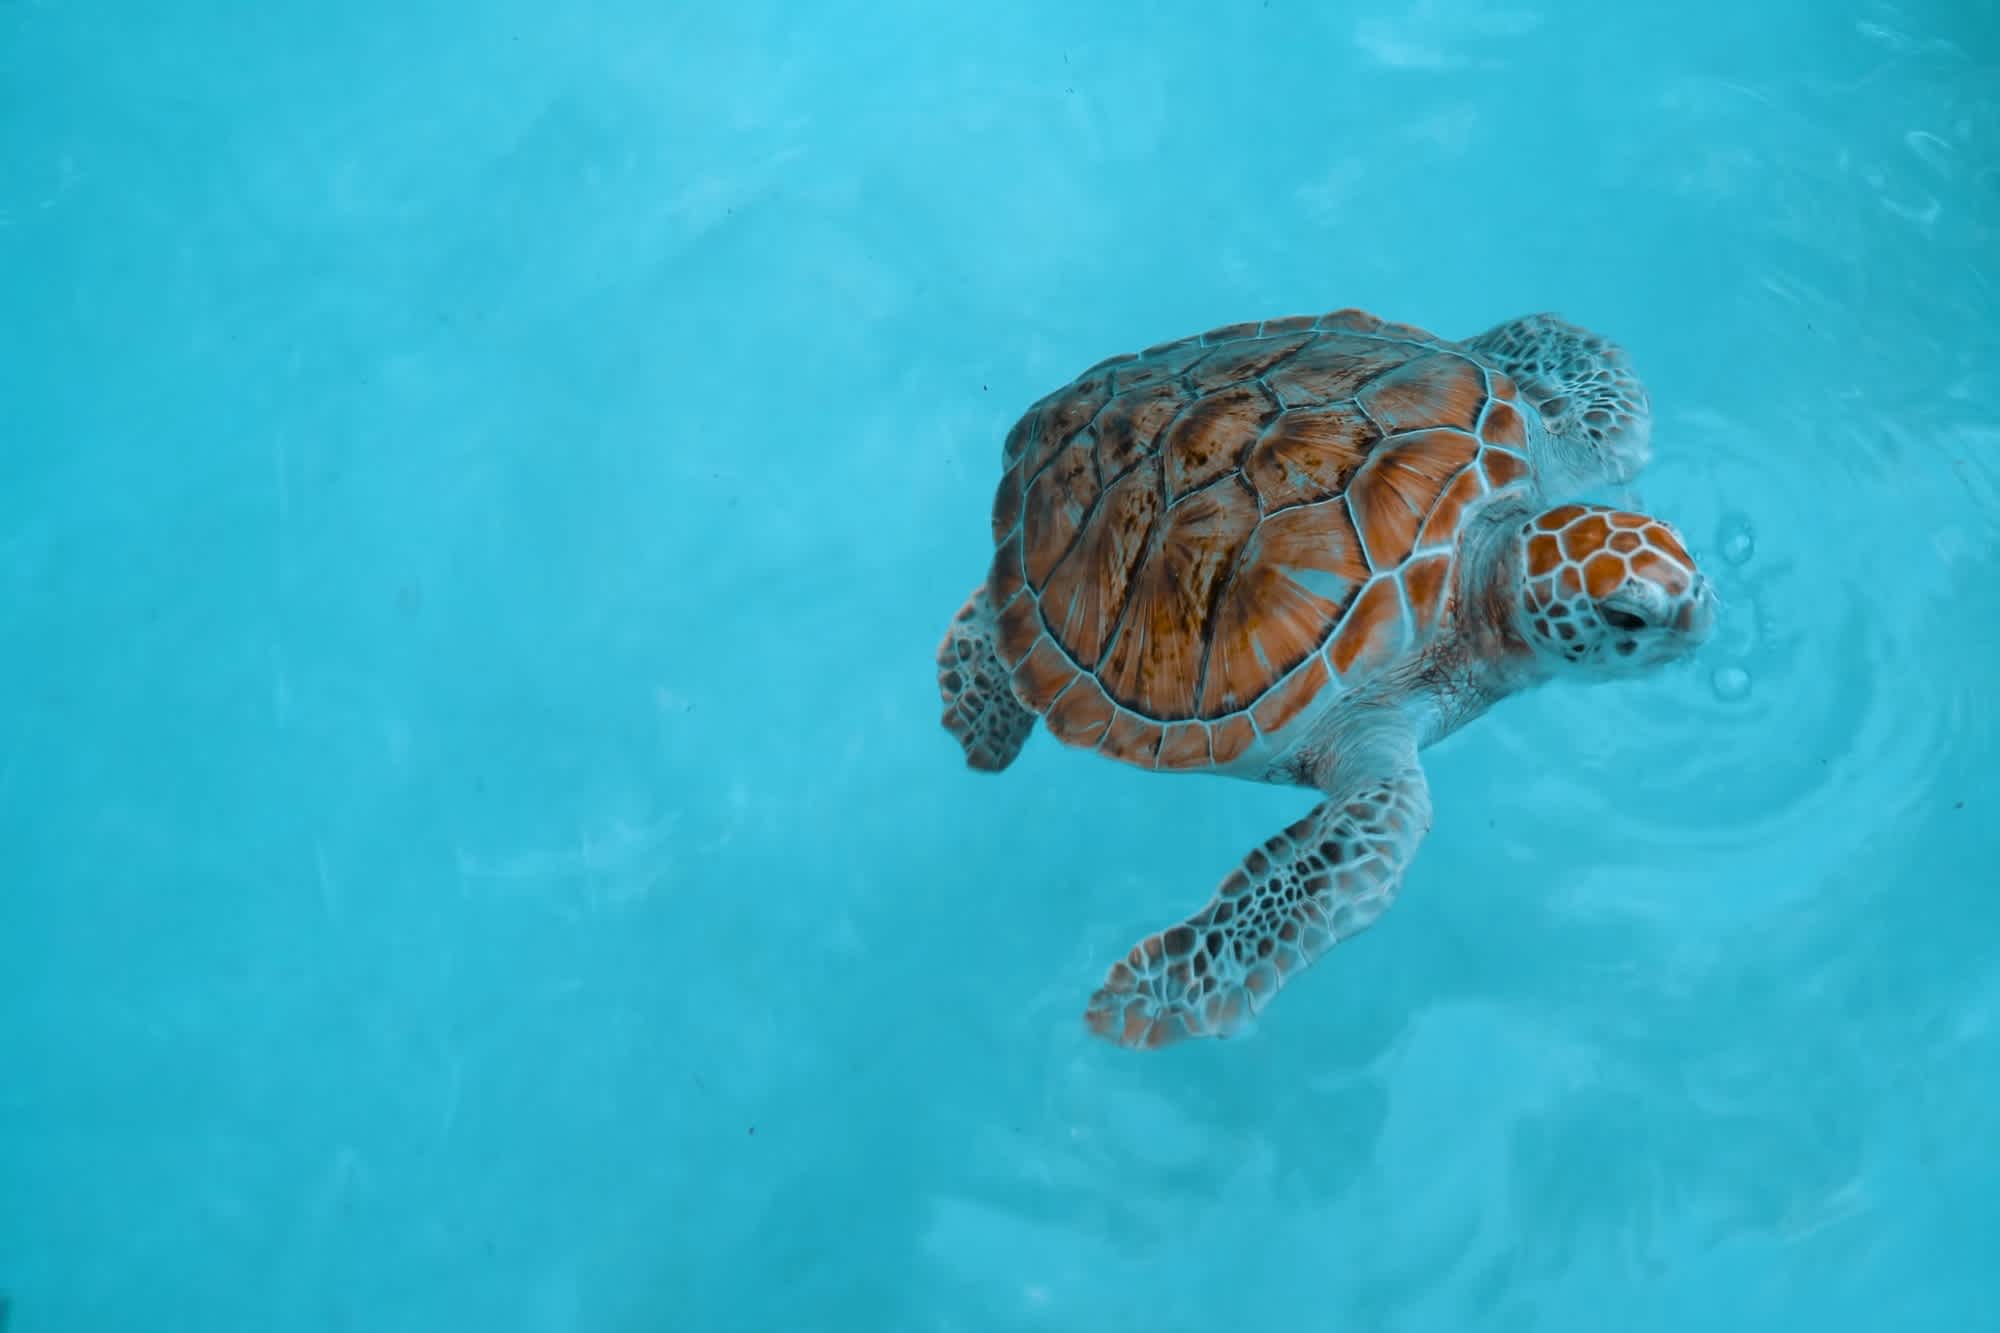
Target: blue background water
(481,487)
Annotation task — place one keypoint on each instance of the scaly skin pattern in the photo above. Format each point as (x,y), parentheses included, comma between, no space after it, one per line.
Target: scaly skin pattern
(1609,592)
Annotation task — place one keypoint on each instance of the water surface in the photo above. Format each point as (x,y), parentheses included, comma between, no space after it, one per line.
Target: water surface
(479,491)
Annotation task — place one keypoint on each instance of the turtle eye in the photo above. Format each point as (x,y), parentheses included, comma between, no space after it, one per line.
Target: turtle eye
(1621,619)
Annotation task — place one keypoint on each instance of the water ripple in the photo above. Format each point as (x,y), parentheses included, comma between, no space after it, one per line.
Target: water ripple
(1819,695)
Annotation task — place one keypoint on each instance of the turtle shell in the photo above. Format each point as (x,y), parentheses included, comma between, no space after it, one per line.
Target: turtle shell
(1195,542)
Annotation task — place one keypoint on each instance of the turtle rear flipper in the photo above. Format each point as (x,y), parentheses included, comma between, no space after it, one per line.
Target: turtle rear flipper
(980,708)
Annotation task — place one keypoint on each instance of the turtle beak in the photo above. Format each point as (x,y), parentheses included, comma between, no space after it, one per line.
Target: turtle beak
(1697,618)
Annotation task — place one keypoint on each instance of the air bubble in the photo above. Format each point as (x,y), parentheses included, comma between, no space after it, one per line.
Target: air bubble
(1736,541)
(1730,684)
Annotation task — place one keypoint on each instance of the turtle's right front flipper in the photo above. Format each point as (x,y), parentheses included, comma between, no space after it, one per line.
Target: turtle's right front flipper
(1324,879)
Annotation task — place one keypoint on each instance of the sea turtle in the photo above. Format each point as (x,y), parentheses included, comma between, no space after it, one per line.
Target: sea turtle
(1298,551)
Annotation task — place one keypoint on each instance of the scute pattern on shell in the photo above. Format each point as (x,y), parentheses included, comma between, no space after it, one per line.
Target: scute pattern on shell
(1194,542)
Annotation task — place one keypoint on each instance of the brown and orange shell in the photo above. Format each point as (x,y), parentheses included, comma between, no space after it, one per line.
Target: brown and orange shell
(1194,543)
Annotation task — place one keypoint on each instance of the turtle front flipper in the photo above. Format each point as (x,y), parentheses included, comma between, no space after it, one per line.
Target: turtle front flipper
(1324,879)
(980,707)
(1598,419)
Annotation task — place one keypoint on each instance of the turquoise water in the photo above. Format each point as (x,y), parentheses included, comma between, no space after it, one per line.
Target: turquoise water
(481,489)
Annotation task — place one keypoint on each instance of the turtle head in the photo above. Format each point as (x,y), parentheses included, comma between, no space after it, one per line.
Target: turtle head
(1609,593)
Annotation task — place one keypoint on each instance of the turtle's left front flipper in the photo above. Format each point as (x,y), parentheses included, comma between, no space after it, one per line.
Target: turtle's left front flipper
(1594,407)
(1322,880)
